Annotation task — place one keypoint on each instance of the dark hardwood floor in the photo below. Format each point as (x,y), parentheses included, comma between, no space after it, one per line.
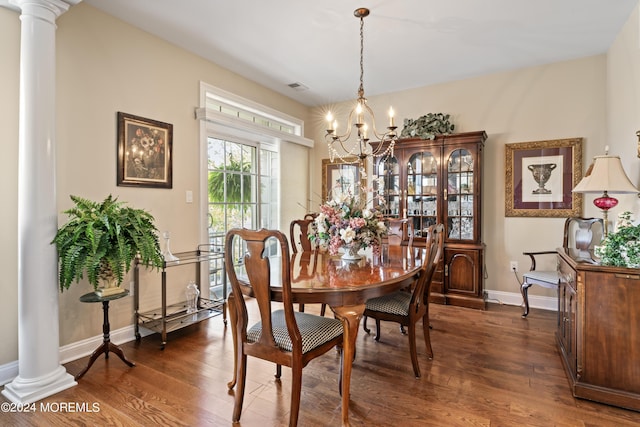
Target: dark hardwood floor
(491,368)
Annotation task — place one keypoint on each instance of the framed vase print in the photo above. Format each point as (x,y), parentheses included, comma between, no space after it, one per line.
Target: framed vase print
(539,178)
(144,152)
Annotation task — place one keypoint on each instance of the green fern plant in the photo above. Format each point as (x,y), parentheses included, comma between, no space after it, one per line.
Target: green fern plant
(102,239)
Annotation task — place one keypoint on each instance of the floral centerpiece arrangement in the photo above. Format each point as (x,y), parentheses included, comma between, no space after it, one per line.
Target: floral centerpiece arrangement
(347,221)
(622,247)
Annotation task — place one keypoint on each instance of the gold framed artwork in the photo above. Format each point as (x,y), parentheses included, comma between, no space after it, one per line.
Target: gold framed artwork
(341,177)
(144,152)
(539,177)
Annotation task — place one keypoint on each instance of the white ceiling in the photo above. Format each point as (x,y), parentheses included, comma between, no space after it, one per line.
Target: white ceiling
(407,43)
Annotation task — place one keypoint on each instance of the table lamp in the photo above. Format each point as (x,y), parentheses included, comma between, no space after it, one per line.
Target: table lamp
(605,175)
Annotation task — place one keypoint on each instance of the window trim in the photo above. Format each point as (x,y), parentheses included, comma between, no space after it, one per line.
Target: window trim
(243,128)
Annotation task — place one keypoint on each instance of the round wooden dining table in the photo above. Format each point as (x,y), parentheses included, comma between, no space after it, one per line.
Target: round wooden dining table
(317,277)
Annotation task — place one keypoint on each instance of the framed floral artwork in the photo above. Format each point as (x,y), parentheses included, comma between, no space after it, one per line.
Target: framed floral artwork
(340,177)
(144,152)
(539,177)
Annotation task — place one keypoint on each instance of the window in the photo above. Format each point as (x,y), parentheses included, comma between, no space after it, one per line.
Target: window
(242,185)
(242,191)
(241,143)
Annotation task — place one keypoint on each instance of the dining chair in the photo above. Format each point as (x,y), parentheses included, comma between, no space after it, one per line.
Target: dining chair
(299,234)
(580,234)
(407,308)
(284,336)
(399,232)
(299,239)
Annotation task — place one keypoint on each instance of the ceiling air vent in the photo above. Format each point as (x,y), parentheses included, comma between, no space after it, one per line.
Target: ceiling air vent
(298,86)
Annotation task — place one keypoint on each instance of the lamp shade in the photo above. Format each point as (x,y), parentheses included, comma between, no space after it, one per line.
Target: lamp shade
(605,174)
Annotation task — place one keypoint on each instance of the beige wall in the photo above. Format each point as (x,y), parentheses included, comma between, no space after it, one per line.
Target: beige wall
(596,98)
(560,100)
(9,97)
(623,109)
(103,66)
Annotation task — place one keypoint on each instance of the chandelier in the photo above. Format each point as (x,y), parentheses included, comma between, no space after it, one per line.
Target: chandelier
(362,120)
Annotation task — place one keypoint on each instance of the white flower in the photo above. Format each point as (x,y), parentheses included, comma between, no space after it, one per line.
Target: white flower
(321,223)
(367,214)
(625,219)
(347,234)
(382,227)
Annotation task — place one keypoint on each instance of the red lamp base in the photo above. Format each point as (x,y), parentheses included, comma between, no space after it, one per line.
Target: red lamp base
(605,203)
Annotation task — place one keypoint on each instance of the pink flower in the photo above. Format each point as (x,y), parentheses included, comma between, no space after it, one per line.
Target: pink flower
(357,222)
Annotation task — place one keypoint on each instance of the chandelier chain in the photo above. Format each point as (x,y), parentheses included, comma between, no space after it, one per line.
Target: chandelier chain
(361,89)
(361,120)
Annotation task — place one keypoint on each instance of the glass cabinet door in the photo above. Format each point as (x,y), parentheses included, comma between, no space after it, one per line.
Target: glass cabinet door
(422,191)
(460,196)
(389,170)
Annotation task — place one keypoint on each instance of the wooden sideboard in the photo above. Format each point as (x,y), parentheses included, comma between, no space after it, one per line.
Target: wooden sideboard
(598,330)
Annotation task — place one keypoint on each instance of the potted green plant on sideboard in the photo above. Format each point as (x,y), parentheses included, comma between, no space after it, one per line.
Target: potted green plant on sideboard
(101,240)
(621,248)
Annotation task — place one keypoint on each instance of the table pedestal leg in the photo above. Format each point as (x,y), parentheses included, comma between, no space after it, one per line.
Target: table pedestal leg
(350,317)
(107,346)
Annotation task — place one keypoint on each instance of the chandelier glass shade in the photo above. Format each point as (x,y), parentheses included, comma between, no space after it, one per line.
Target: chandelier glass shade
(361,122)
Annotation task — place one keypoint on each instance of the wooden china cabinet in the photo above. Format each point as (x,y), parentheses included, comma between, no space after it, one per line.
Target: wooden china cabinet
(440,181)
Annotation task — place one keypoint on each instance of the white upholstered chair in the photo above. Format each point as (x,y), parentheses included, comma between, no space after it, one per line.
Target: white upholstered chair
(580,234)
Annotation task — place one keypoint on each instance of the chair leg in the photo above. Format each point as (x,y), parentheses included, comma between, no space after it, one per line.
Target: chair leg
(278,371)
(242,376)
(402,331)
(427,335)
(364,325)
(233,317)
(301,308)
(377,338)
(323,309)
(525,296)
(413,350)
(296,387)
(339,348)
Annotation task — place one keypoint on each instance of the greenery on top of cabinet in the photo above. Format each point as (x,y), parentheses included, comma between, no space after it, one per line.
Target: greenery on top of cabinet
(427,126)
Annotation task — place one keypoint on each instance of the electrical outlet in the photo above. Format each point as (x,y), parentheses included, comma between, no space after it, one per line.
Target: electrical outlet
(514,265)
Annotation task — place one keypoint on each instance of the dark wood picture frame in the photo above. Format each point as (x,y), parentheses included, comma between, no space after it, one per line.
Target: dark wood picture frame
(342,174)
(144,152)
(539,177)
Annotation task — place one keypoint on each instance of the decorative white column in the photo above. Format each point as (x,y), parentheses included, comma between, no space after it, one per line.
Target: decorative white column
(40,373)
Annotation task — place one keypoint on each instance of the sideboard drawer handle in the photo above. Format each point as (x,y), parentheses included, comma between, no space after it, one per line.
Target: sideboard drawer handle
(627,276)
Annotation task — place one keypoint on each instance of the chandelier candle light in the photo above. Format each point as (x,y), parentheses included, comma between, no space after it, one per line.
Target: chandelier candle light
(361,114)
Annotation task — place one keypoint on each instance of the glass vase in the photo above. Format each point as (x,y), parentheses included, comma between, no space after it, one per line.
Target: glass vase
(168,256)
(192,293)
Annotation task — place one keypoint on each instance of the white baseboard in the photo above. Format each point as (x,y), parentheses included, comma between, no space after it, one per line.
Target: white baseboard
(8,372)
(512,298)
(76,350)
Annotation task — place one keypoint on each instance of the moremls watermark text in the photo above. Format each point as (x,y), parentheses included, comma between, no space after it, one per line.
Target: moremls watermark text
(86,407)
